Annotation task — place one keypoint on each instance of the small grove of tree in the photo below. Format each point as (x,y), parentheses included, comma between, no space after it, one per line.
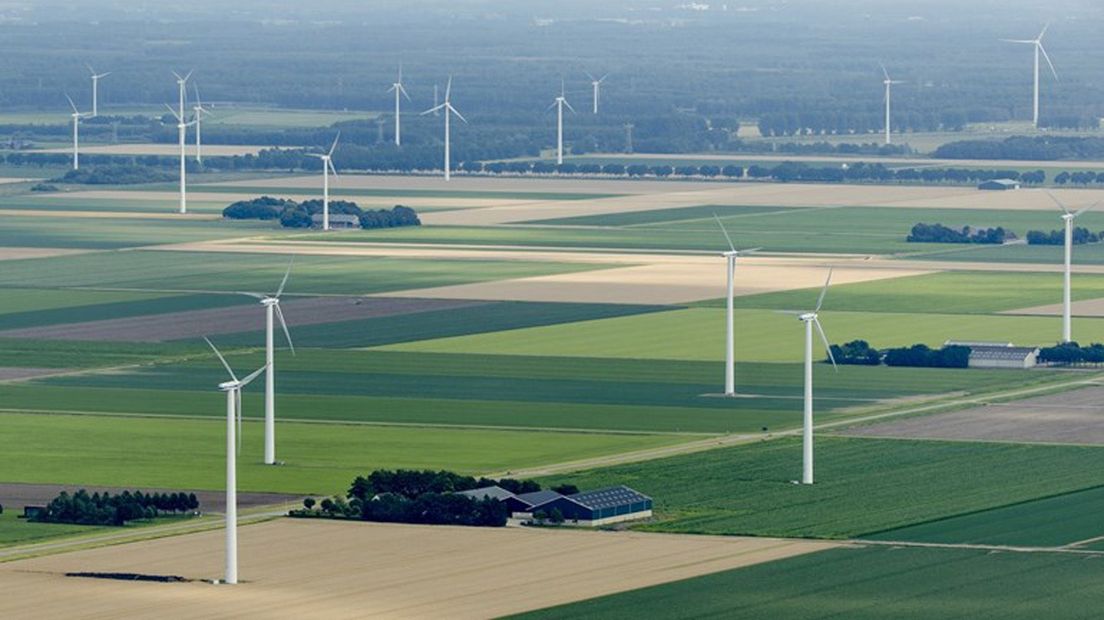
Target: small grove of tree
(1057,237)
(299,215)
(263,208)
(919,355)
(115,174)
(413,483)
(938,233)
(1072,354)
(106,509)
(856,352)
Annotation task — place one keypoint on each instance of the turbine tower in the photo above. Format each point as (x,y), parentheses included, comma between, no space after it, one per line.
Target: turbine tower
(1037,42)
(198,111)
(810,320)
(233,389)
(1067,219)
(182,85)
(271,305)
(596,85)
(96,77)
(888,92)
(447,108)
(76,116)
(327,167)
(400,92)
(182,131)
(559,104)
(730,316)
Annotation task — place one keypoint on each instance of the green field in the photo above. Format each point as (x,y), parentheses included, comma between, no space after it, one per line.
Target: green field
(320,458)
(761,335)
(862,485)
(870,583)
(93,233)
(15,531)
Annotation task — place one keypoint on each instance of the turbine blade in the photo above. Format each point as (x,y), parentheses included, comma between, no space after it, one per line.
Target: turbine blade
(1023,41)
(603,78)
(731,246)
(448,90)
(199,102)
(238,406)
(1092,206)
(457,113)
(221,359)
(404,93)
(1049,64)
(283,282)
(1058,202)
(253,295)
(329,162)
(256,373)
(71,104)
(189,75)
(433,109)
(884,72)
(334,146)
(823,291)
(827,347)
(590,76)
(569,106)
(789,312)
(90,69)
(287,332)
(1043,32)
(554,104)
(174,113)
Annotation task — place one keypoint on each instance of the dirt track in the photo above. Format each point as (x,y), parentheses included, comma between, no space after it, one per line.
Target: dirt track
(235,319)
(1075,417)
(8,373)
(327,569)
(15,495)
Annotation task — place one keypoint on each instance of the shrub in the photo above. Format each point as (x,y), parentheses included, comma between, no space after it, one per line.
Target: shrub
(263,208)
(856,352)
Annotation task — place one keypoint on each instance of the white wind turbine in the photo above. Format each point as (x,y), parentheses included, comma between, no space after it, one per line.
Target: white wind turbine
(182,130)
(400,92)
(271,305)
(447,108)
(233,390)
(596,84)
(888,94)
(327,167)
(1037,42)
(197,116)
(96,77)
(1067,219)
(76,116)
(559,104)
(182,86)
(730,316)
(810,319)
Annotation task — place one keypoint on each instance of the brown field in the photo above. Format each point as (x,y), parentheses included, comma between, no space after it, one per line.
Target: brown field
(21,253)
(214,150)
(1075,417)
(16,495)
(1088,307)
(327,569)
(10,373)
(244,318)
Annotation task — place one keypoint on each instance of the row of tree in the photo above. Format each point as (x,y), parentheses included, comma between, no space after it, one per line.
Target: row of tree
(1045,148)
(817,122)
(116,174)
(938,233)
(1079,236)
(1072,354)
(83,508)
(859,352)
(300,214)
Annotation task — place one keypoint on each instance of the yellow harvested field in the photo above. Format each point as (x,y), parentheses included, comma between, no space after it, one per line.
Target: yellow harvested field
(214,150)
(11,180)
(21,253)
(481,184)
(329,569)
(225,198)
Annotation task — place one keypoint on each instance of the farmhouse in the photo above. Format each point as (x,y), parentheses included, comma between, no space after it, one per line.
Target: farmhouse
(999,184)
(337,220)
(998,354)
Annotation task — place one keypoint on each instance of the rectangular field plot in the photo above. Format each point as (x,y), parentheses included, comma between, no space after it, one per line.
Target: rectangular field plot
(59,307)
(663,216)
(96,233)
(871,583)
(320,458)
(862,485)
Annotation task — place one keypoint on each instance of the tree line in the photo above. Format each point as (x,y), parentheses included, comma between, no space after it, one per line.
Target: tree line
(1043,148)
(859,352)
(938,233)
(1080,235)
(1072,354)
(82,508)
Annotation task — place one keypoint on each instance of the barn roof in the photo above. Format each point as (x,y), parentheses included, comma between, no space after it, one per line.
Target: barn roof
(536,498)
(1002,353)
(609,498)
(494,492)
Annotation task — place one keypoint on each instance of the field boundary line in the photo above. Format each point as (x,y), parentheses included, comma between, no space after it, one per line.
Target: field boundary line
(979,547)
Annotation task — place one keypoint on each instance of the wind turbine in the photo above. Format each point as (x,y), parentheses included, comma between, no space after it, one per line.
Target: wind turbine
(559,104)
(182,85)
(96,77)
(233,389)
(888,90)
(810,319)
(730,317)
(399,93)
(1037,42)
(77,116)
(596,85)
(271,305)
(1067,218)
(327,167)
(198,111)
(449,111)
(182,130)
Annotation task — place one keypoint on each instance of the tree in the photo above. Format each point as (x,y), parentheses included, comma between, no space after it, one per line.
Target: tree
(308,503)
(566,489)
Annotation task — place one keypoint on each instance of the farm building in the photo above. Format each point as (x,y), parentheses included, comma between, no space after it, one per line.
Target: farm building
(999,184)
(998,354)
(337,220)
(498,493)
(598,507)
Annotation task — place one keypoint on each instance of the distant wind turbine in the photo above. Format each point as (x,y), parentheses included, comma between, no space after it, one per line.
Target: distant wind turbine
(596,84)
(96,77)
(182,130)
(327,167)
(182,86)
(888,95)
(76,116)
(271,305)
(447,108)
(559,104)
(1037,42)
(198,111)
(730,316)
(811,320)
(233,389)
(400,92)
(1067,219)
